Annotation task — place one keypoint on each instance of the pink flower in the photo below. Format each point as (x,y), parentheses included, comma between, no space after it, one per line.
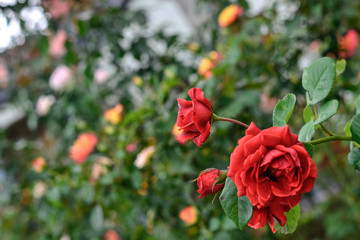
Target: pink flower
(44,104)
(38,164)
(4,75)
(101,76)
(131,147)
(57,8)
(348,44)
(60,78)
(57,48)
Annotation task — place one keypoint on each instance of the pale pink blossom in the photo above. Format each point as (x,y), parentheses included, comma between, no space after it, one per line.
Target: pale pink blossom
(60,78)
(267,103)
(57,8)
(44,104)
(144,157)
(57,44)
(39,190)
(4,75)
(101,76)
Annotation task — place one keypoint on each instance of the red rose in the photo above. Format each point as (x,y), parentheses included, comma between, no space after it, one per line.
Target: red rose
(194,117)
(272,168)
(207,182)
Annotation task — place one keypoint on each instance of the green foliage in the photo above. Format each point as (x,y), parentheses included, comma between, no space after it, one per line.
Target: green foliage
(326,111)
(292,217)
(354,158)
(340,66)
(238,209)
(307,132)
(308,113)
(283,110)
(355,128)
(319,78)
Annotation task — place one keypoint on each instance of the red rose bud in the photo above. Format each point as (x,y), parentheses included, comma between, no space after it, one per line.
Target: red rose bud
(194,117)
(273,169)
(211,181)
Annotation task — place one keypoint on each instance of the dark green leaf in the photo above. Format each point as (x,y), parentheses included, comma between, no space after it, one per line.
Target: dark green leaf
(292,217)
(340,66)
(307,132)
(283,110)
(354,158)
(326,111)
(355,128)
(309,148)
(358,105)
(319,78)
(238,209)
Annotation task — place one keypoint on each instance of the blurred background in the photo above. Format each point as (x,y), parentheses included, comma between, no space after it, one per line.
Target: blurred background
(88,93)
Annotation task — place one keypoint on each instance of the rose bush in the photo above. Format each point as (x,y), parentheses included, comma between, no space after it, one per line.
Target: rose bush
(272,168)
(194,117)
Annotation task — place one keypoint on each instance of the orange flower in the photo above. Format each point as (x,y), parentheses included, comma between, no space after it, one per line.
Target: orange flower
(114,115)
(348,44)
(111,235)
(208,63)
(229,15)
(83,146)
(38,164)
(189,215)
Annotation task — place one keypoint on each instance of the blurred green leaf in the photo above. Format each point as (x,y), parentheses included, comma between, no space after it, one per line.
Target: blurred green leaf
(283,110)
(340,66)
(309,148)
(97,218)
(319,78)
(358,105)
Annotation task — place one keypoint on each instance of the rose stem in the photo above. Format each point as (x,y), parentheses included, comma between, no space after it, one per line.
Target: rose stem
(327,131)
(331,138)
(217,118)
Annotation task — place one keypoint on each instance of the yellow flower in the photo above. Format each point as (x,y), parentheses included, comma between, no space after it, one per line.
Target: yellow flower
(229,15)
(205,68)
(114,115)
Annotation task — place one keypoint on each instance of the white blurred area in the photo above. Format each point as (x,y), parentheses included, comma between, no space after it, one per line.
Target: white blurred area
(182,15)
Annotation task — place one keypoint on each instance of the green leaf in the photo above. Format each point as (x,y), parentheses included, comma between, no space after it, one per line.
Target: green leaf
(358,105)
(319,78)
(238,209)
(308,114)
(347,129)
(326,111)
(97,218)
(307,132)
(283,110)
(309,148)
(355,128)
(292,217)
(340,66)
(354,158)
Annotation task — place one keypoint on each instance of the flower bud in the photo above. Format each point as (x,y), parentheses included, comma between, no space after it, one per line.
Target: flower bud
(211,181)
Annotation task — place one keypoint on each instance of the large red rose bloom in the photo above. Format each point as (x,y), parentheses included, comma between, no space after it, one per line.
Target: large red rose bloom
(194,117)
(272,168)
